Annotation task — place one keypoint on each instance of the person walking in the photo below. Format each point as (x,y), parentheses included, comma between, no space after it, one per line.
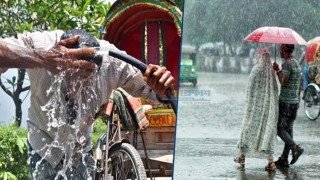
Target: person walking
(289,77)
(259,125)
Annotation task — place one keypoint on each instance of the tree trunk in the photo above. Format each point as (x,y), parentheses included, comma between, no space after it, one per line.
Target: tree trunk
(18,104)
(16,97)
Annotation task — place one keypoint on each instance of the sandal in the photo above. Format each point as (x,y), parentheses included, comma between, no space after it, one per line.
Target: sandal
(271,166)
(240,159)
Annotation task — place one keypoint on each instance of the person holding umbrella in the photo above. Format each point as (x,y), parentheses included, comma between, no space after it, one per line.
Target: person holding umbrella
(289,77)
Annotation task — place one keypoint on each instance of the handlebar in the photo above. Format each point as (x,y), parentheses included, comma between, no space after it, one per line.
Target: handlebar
(142,67)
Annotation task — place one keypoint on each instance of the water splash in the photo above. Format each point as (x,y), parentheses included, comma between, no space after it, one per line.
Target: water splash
(71,101)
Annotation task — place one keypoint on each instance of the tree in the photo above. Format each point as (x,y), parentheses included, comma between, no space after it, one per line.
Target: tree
(17,89)
(230,21)
(179,3)
(24,15)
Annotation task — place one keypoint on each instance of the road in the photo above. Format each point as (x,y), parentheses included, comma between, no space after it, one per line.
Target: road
(208,127)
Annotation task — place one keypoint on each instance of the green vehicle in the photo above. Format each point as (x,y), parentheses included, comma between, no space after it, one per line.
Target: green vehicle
(188,69)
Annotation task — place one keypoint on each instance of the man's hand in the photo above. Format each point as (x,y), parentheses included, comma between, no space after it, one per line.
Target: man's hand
(159,78)
(276,66)
(60,58)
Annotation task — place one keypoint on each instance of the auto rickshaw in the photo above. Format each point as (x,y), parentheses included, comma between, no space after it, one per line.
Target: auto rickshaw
(312,77)
(188,68)
(149,30)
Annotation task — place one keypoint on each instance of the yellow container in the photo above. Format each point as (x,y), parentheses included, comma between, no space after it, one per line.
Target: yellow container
(161,118)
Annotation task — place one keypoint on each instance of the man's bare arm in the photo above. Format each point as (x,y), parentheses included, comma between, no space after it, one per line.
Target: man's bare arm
(12,56)
(56,59)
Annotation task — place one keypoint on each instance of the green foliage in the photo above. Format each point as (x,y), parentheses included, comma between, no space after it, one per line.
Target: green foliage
(8,175)
(179,3)
(98,129)
(24,15)
(13,153)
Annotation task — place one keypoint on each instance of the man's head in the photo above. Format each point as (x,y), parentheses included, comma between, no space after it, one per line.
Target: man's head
(286,50)
(86,40)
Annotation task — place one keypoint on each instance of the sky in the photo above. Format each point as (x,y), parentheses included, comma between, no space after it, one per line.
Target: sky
(7,107)
(111,1)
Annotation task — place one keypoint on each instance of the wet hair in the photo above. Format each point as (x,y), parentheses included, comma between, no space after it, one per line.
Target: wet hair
(288,47)
(86,40)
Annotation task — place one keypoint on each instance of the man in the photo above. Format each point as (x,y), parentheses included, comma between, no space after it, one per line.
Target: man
(289,99)
(62,148)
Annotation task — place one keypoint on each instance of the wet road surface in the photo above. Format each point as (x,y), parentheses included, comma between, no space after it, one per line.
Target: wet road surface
(208,128)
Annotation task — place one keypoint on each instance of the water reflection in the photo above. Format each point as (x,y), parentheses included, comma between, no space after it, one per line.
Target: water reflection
(257,174)
(289,173)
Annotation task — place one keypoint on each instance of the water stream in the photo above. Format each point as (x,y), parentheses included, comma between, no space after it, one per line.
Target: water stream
(72,102)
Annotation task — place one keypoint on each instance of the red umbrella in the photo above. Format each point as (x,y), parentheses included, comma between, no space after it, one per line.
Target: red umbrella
(312,48)
(277,35)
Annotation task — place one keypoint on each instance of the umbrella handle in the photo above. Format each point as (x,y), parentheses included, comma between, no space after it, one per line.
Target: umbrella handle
(275,53)
(142,67)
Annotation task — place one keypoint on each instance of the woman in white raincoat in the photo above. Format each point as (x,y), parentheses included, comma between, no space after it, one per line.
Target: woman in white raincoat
(259,125)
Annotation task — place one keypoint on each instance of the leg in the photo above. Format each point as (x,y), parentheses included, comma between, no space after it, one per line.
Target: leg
(240,159)
(284,135)
(83,168)
(287,115)
(271,166)
(296,150)
(39,167)
(42,170)
(289,130)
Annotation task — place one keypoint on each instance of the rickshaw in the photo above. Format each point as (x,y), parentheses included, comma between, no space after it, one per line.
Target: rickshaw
(312,76)
(149,30)
(188,66)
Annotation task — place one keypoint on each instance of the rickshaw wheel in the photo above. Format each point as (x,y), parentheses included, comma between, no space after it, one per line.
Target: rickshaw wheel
(312,103)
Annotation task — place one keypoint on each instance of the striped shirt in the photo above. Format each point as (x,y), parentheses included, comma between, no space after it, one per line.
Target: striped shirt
(51,142)
(290,92)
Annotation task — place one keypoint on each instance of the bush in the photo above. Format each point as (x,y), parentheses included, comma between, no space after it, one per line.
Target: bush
(98,129)
(13,153)
(14,150)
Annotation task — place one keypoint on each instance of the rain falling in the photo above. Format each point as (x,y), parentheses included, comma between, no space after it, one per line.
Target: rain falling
(211,112)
